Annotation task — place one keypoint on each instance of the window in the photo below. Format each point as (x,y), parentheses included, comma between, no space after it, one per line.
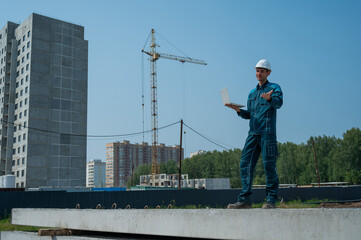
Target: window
(14,151)
(26,90)
(21,92)
(23,59)
(19,127)
(16,106)
(24,136)
(14,140)
(23,161)
(28,45)
(18,52)
(17,74)
(29,34)
(27,78)
(23,38)
(17,63)
(27,55)
(16,117)
(25,113)
(22,70)
(14,128)
(16,95)
(19,42)
(24,148)
(22,174)
(21,103)
(17,84)
(20,116)
(18,162)
(27,66)
(23,50)
(26,101)
(25,121)
(13,162)
(18,149)
(22,81)
(17,174)
(19,138)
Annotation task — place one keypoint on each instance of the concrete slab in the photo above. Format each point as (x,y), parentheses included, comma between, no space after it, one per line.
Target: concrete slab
(18,235)
(260,224)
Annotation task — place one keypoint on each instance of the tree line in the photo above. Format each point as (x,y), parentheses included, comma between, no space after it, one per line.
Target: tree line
(339,160)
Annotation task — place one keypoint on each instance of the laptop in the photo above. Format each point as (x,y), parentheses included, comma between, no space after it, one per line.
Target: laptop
(225,98)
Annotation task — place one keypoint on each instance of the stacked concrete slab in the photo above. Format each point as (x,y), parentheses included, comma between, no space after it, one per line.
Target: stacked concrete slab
(277,224)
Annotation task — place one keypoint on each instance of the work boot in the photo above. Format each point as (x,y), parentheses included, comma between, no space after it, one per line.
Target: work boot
(269,205)
(239,205)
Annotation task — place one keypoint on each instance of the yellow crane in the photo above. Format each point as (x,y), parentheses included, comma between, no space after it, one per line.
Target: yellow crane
(154,56)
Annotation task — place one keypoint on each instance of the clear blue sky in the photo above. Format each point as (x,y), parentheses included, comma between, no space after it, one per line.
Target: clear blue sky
(313,46)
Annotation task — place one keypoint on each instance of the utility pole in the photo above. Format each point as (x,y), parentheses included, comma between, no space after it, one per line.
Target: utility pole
(180,156)
(314,152)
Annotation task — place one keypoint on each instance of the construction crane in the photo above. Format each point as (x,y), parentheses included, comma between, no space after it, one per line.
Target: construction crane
(154,56)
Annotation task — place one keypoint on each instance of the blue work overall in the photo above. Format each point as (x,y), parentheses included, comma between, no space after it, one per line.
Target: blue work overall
(261,139)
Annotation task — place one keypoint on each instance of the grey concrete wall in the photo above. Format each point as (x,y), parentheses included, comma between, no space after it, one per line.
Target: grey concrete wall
(260,224)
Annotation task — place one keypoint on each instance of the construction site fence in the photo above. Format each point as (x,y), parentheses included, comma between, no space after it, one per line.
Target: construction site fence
(161,199)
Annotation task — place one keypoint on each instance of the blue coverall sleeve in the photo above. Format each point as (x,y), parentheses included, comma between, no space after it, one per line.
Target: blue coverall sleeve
(244,114)
(277,98)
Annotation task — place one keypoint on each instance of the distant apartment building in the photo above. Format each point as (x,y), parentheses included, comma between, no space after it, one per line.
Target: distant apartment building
(43,102)
(122,157)
(95,173)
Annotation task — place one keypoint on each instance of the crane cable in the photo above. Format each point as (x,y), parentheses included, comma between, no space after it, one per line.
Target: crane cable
(142,63)
(173,45)
(146,41)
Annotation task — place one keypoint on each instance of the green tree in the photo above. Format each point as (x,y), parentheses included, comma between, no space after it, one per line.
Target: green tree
(143,169)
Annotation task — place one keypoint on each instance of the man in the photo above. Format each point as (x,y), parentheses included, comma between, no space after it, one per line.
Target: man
(261,111)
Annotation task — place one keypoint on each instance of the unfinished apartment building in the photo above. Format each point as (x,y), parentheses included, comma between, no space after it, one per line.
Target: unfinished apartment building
(43,102)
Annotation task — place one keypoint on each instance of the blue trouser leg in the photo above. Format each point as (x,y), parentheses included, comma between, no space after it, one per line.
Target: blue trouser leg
(269,155)
(266,143)
(250,155)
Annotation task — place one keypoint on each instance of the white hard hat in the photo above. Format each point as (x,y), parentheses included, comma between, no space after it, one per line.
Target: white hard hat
(263,63)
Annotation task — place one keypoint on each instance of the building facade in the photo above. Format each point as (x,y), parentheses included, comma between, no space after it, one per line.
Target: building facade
(43,102)
(95,173)
(123,157)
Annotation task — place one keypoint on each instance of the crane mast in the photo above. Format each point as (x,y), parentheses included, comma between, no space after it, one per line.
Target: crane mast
(154,56)
(154,104)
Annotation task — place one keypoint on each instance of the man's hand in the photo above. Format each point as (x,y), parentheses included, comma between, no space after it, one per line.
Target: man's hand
(233,107)
(267,96)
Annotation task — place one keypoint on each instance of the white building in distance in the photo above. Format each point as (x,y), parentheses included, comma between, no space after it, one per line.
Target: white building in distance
(95,173)
(197,153)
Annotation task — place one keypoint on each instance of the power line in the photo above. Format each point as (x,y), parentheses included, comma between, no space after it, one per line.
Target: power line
(119,135)
(206,137)
(91,136)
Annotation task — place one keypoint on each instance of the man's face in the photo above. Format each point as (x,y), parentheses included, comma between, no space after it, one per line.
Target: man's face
(262,74)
